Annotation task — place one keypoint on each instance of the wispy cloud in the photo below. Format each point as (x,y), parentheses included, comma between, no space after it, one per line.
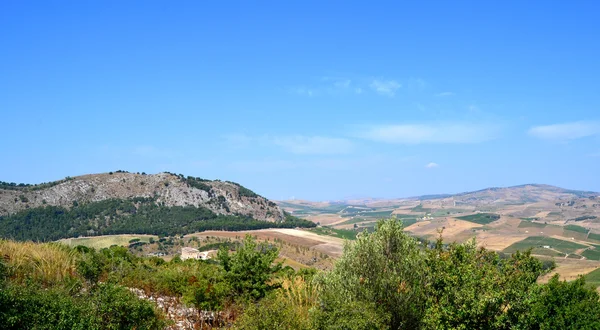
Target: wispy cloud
(445,94)
(296,144)
(444,132)
(432,165)
(385,87)
(566,131)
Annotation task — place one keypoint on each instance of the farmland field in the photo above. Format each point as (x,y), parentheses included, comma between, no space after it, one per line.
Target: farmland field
(480,218)
(593,278)
(592,254)
(540,241)
(576,228)
(529,224)
(99,242)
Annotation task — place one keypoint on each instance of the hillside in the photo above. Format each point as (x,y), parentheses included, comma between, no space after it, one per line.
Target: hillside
(122,203)
(221,197)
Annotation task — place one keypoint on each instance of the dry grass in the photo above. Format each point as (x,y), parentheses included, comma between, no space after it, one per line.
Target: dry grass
(570,269)
(49,263)
(300,294)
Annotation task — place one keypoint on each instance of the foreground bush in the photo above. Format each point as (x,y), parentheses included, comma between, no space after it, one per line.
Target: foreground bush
(386,280)
(106,307)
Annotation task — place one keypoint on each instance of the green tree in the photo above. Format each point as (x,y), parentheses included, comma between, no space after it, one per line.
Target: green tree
(472,288)
(250,269)
(377,283)
(564,305)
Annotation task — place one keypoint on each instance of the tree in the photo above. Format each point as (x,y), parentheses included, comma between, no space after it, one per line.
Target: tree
(564,305)
(472,288)
(377,283)
(250,268)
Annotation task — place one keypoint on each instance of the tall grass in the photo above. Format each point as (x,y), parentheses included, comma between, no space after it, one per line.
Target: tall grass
(49,264)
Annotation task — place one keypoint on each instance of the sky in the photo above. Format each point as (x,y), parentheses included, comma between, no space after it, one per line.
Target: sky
(317,100)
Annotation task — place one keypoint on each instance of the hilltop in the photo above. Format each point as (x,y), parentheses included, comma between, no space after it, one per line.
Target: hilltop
(132,203)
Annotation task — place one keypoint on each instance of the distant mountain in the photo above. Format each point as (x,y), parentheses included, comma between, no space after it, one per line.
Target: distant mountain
(527,193)
(123,202)
(521,194)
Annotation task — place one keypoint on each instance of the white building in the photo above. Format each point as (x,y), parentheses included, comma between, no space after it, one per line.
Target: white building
(191,253)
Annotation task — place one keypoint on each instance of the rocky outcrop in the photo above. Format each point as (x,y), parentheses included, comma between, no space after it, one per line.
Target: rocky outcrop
(166,188)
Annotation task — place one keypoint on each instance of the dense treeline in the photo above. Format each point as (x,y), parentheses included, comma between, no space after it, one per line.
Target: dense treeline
(119,216)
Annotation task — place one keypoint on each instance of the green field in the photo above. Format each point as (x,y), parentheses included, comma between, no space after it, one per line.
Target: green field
(576,228)
(408,222)
(529,224)
(540,241)
(594,236)
(341,233)
(100,242)
(420,208)
(593,278)
(547,252)
(592,254)
(377,214)
(480,218)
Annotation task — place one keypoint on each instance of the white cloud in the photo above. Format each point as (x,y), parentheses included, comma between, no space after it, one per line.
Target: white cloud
(432,165)
(443,94)
(385,87)
(449,132)
(566,131)
(297,144)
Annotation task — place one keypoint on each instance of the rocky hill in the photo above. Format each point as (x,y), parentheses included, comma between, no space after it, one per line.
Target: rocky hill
(167,189)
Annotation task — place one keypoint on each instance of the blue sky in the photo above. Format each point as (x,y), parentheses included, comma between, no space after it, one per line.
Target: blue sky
(314,100)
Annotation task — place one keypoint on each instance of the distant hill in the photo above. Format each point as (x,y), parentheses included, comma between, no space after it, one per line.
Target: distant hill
(521,194)
(527,193)
(122,202)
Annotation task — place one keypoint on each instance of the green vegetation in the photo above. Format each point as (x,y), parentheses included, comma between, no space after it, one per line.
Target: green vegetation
(480,218)
(118,216)
(576,228)
(594,236)
(530,224)
(420,208)
(384,280)
(243,191)
(541,241)
(198,183)
(31,187)
(341,233)
(458,286)
(593,278)
(53,287)
(592,254)
(585,217)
